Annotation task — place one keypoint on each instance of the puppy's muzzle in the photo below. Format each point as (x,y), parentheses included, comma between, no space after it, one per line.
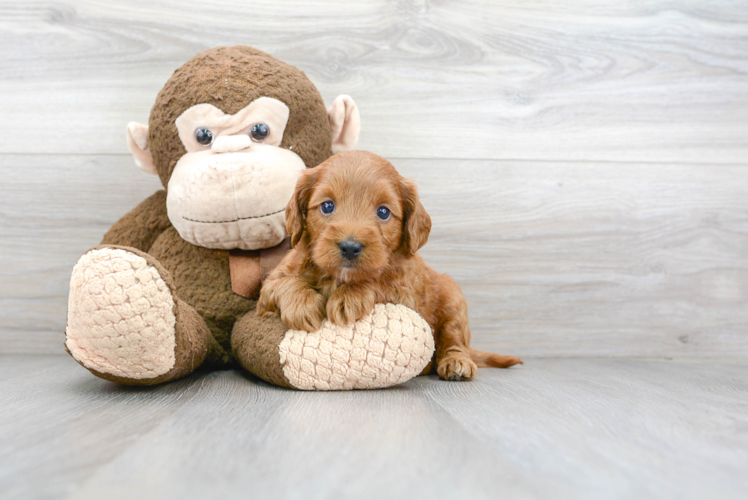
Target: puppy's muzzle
(350,248)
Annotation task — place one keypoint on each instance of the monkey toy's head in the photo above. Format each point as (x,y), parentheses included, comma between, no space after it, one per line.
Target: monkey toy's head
(229,135)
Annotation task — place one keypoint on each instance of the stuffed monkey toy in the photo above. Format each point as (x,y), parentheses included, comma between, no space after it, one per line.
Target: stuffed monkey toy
(173,285)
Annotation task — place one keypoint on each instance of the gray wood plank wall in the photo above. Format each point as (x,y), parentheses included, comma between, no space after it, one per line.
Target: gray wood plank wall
(585,163)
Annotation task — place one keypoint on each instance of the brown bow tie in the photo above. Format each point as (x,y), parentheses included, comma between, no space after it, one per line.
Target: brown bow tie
(249,268)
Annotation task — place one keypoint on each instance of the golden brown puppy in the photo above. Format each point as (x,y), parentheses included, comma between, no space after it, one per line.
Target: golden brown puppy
(356,225)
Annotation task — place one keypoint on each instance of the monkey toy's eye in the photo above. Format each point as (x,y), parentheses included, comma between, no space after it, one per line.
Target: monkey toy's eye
(259,132)
(327,207)
(383,213)
(204,136)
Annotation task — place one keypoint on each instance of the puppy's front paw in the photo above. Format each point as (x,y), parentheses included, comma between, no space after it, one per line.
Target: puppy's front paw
(306,311)
(265,307)
(346,306)
(457,367)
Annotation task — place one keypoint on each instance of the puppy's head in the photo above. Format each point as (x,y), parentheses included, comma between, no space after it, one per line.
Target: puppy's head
(355,214)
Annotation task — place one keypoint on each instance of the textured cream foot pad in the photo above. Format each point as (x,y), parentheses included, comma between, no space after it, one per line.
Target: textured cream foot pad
(388,347)
(120,315)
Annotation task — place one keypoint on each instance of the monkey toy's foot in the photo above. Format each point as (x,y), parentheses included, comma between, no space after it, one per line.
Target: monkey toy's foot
(125,323)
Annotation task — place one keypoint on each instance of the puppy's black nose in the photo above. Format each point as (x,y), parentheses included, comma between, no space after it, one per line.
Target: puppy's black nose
(350,249)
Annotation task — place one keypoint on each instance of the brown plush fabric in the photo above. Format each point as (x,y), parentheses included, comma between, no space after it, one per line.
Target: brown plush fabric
(202,279)
(255,342)
(193,338)
(230,78)
(140,227)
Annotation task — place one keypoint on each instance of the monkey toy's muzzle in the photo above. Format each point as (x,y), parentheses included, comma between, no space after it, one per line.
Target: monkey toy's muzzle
(223,199)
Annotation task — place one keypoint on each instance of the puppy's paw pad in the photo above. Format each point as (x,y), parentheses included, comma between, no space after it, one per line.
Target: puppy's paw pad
(457,368)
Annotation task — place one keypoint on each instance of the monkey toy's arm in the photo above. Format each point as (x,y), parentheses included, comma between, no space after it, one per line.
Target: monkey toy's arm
(140,227)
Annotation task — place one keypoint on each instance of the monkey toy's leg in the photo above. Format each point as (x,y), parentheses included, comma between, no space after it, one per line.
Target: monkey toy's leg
(388,347)
(125,322)
(255,342)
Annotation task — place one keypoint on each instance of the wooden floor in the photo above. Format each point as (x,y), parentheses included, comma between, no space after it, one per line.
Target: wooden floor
(571,428)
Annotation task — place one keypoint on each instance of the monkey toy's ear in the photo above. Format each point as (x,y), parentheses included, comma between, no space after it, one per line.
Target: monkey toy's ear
(137,143)
(345,123)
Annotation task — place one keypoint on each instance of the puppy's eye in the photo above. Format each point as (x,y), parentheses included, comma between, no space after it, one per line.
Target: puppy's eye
(383,213)
(259,132)
(327,207)
(204,136)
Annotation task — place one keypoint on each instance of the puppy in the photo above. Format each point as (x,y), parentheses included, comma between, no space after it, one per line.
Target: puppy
(356,225)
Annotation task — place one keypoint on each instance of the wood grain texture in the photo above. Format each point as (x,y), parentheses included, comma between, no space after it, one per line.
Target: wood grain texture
(555,259)
(597,429)
(569,259)
(662,81)
(53,208)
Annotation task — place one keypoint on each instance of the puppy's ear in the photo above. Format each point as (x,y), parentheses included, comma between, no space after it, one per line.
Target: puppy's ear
(297,208)
(416,222)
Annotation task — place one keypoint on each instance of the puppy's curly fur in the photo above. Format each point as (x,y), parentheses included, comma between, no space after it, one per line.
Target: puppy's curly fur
(316,280)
